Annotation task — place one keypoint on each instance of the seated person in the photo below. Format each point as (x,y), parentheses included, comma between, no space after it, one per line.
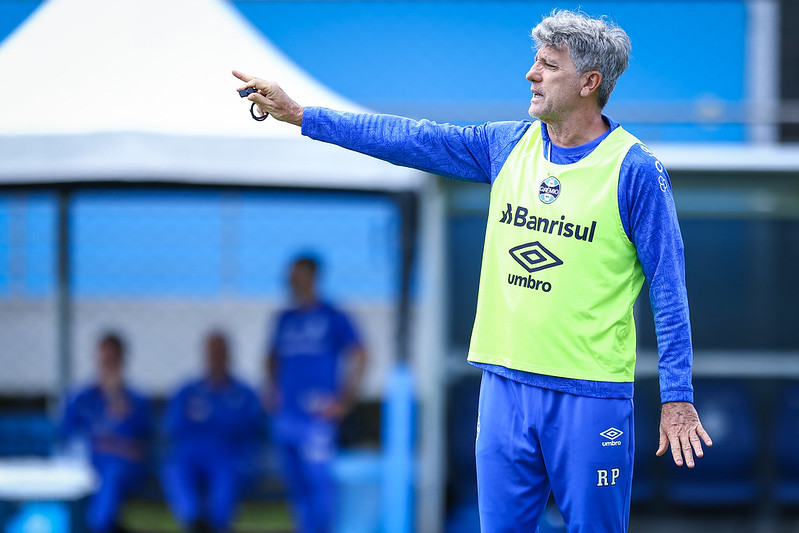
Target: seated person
(114,422)
(212,424)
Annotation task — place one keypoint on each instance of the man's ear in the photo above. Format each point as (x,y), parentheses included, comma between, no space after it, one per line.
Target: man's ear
(591,81)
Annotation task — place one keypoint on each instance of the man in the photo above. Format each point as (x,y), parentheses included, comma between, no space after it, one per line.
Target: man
(116,422)
(580,213)
(312,342)
(213,424)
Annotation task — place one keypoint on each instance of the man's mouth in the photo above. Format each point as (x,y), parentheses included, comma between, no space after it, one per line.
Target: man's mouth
(537,95)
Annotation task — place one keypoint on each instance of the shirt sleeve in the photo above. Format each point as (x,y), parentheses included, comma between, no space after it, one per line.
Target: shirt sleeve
(346,335)
(470,153)
(174,421)
(243,422)
(145,416)
(649,218)
(70,426)
(274,332)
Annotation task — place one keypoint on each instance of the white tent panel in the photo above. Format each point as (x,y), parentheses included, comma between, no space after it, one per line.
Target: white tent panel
(175,158)
(143,90)
(81,66)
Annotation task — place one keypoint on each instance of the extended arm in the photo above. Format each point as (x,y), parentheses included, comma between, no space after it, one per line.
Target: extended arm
(452,151)
(474,153)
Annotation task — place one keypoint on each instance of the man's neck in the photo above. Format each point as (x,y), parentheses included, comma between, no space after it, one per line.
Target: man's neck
(218,381)
(112,387)
(577,129)
(307,301)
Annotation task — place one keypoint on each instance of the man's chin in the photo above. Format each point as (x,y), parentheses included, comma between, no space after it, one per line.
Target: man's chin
(535,111)
(538,113)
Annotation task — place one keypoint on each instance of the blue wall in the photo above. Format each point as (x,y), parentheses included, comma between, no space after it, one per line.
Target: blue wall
(453,60)
(27,245)
(200,244)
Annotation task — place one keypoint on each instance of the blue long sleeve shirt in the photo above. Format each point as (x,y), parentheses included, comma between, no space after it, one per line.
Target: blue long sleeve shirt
(309,343)
(477,153)
(209,420)
(89,415)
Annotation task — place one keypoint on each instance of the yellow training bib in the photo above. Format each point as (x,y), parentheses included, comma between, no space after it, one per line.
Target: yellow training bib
(559,276)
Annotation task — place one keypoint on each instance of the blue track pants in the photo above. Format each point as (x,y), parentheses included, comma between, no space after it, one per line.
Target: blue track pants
(203,488)
(306,449)
(118,478)
(533,441)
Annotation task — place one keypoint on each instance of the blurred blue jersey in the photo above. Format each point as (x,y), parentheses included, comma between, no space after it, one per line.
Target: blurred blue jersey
(213,430)
(120,433)
(202,418)
(309,343)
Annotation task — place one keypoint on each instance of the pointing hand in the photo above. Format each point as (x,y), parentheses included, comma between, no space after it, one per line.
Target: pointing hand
(271,99)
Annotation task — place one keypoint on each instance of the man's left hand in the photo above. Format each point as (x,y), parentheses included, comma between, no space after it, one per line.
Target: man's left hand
(681,429)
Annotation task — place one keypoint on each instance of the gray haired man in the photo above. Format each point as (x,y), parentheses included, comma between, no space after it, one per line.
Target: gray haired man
(581,212)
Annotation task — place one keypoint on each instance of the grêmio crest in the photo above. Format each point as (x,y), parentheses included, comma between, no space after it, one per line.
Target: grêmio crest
(549,190)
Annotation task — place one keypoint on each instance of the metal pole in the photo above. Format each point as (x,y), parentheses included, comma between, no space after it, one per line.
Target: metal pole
(399,457)
(407,202)
(430,357)
(63,298)
(763,69)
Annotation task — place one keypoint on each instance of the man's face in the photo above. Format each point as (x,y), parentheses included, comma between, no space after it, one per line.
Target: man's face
(109,363)
(216,356)
(555,84)
(302,281)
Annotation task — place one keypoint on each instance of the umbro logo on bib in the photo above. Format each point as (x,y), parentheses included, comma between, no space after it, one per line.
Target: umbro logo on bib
(534,257)
(549,190)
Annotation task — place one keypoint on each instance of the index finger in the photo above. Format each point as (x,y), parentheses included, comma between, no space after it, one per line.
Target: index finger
(242,76)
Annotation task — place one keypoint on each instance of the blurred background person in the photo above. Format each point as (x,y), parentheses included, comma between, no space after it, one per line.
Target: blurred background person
(313,371)
(212,424)
(114,422)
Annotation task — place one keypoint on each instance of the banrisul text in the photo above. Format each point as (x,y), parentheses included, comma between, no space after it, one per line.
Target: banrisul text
(521,218)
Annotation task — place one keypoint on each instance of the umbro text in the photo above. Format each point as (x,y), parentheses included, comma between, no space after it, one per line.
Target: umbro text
(529,283)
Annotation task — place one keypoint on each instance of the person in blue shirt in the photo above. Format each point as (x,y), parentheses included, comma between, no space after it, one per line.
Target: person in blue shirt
(115,422)
(580,213)
(213,425)
(313,370)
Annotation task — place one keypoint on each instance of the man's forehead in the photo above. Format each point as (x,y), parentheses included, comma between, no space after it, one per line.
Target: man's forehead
(552,53)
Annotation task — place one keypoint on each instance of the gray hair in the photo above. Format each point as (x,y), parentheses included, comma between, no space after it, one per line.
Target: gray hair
(593,44)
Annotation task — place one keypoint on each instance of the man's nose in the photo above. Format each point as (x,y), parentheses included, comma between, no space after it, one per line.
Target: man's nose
(533,74)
